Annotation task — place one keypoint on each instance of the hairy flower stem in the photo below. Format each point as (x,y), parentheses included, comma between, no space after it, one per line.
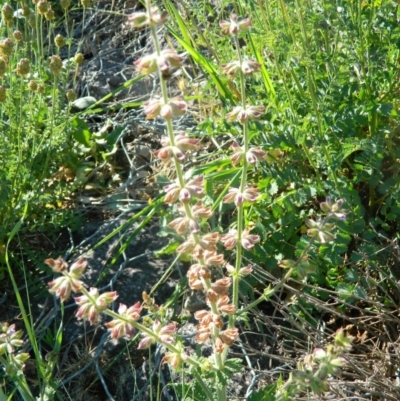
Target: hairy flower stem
(170,128)
(243,180)
(179,172)
(138,327)
(215,333)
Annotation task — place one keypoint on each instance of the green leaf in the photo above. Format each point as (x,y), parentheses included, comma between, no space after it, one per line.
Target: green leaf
(204,63)
(114,135)
(264,72)
(167,249)
(206,169)
(81,132)
(265,394)
(234,365)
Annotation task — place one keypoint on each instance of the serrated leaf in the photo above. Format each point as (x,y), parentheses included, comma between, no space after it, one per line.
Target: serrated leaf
(234,365)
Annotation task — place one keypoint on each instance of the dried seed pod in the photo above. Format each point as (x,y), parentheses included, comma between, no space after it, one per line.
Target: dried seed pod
(7,13)
(17,35)
(55,65)
(23,67)
(6,47)
(32,85)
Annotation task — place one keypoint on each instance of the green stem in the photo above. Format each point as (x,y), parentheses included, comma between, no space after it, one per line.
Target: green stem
(314,100)
(268,292)
(52,125)
(137,326)
(243,181)
(268,21)
(179,172)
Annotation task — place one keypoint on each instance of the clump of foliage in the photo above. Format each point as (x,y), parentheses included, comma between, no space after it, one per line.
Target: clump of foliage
(304,189)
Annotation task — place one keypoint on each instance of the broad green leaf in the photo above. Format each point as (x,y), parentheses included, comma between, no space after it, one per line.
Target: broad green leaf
(81,132)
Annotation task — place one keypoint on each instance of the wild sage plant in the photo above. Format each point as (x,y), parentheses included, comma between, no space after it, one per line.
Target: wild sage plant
(200,245)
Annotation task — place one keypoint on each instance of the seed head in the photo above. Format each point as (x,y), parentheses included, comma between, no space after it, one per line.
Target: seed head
(152,108)
(119,327)
(17,35)
(50,15)
(6,47)
(249,240)
(167,152)
(7,13)
(234,195)
(59,41)
(58,265)
(203,333)
(229,336)
(182,224)
(175,360)
(243,272)
(163,334)
(334,209)
(26,11)
(152,17)
(43,6)
(230,239)
(32,85)
(65,4)
(77,268)
(201,211)
(224,306)
(182,141)
(247,67)
(23,67)
(63,286)
(41,88)
(91,306)
(86,3)
(234,26)
(244,114)
(71,95)
(167,60)
(254,155)
(55,65)
(320,231)
(213,258)
(175,107)
(221,286)
(79,58)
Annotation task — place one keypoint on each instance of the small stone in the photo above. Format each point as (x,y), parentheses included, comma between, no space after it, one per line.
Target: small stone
(196,301)
(144,152)
(83,103)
